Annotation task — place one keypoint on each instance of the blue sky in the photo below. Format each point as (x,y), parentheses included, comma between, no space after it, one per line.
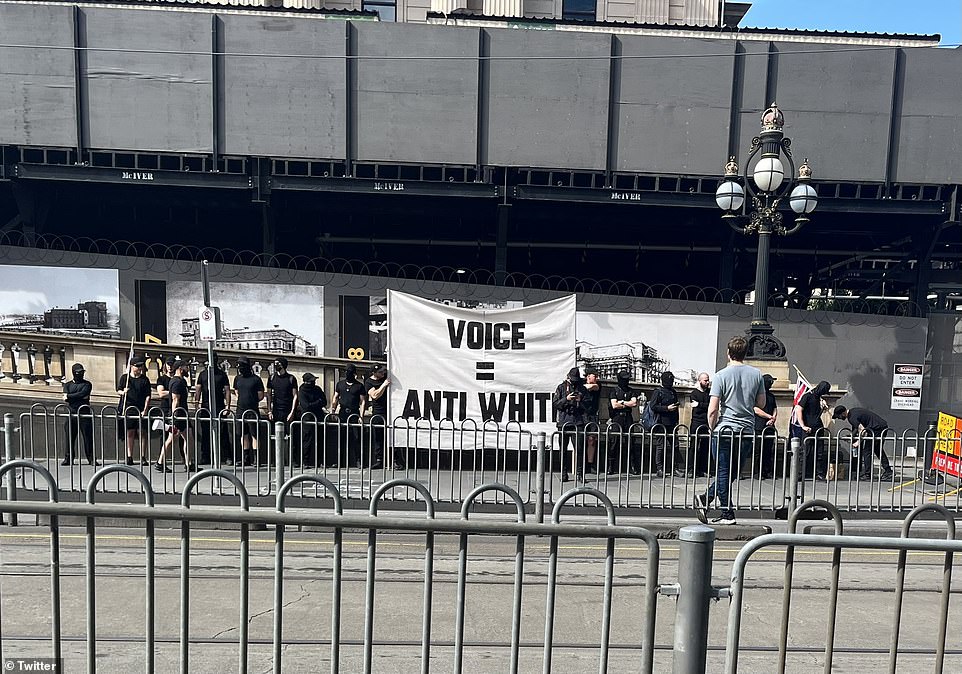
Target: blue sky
(873,16)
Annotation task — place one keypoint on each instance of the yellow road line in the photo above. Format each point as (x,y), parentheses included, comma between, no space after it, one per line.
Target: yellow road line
(904,484)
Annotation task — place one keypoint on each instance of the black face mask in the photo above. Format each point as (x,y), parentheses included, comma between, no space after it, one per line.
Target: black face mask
(78,377)
(245,369)
(623,382)
(350,376)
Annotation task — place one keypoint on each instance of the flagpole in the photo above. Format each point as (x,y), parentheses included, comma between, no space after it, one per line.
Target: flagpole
(123,397)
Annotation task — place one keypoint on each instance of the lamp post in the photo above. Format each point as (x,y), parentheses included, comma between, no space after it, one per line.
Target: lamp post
(766,189)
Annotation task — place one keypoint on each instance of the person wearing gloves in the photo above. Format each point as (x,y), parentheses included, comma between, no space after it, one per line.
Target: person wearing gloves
(76,393)
(568,403)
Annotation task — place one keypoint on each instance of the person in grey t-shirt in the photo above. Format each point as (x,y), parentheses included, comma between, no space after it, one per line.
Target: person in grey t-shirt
(735,392)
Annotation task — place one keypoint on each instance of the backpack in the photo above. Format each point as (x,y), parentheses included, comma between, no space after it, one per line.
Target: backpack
(648,417)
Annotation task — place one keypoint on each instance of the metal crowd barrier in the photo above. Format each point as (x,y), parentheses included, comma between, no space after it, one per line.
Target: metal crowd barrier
(837,543)
(335,522)
(358,455)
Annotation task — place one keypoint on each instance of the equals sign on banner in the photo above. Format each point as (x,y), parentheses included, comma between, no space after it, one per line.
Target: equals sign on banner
(485,371)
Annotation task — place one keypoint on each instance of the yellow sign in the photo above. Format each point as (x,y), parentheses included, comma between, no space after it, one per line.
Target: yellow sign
(150,339)
(355,353)
(949,433)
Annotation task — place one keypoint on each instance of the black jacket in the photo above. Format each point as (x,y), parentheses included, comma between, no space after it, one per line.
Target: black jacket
(570,412)
(78,393)
(661,398)
(312,399)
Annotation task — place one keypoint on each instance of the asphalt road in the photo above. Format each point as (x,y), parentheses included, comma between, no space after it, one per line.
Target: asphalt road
(863,634)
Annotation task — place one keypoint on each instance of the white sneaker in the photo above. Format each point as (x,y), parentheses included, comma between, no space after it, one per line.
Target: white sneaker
(723,520)
(701,508)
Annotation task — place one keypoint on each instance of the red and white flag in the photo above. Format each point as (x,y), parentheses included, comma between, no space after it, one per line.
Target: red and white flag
(801,388)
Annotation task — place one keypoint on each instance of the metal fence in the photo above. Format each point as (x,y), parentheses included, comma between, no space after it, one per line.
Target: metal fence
(335,522)
(637,469)
(693,587)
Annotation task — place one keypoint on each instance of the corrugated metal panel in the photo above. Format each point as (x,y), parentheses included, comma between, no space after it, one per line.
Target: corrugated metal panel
(701,13)
(448,6)
(503,8)
(653,11)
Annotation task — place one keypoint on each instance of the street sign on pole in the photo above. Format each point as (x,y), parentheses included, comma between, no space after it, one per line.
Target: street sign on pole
(209,324)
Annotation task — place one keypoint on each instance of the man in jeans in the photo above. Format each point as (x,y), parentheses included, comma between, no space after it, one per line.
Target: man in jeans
(735,392)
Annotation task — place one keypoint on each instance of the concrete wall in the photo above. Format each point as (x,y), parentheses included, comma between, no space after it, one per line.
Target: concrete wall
(671,98)
(854,352)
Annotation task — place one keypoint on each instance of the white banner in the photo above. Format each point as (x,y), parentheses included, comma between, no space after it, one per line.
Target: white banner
(455,367)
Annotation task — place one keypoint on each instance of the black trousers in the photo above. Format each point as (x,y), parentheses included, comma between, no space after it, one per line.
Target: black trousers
(378,435)
(699,451)
(623,445)
(663,446)
(350,437)
(574,436)
(204,436)
(83,426)
(868,446)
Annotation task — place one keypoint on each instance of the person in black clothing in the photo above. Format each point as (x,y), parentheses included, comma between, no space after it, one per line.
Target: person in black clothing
(568,403)
(869,428)
(699,448)
(134,390)
(664,403)
(76,393)
(163,386)
(809,427)
(592,403)
(622,403)
(765,418)
(311,401)
(178,394)
(282,397)
(221,405)
(249,389)
(350,399)
(377,385)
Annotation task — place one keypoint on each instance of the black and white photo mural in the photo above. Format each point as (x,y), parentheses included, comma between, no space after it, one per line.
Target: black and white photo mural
(275,318)
(60,300)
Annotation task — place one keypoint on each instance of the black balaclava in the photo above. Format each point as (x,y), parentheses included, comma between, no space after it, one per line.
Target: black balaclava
(78,372)
(668,380)
(623,379)
(244,366)
(769,380)
(821,389)
(351,373)
(574,375)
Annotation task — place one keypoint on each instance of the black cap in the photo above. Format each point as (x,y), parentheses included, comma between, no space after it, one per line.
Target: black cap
(138,362)
(769,379)
(308,378)
(574,375)
(77,368)
(838,411)
(243,360)
(590,370)
(351,369)
(378,369)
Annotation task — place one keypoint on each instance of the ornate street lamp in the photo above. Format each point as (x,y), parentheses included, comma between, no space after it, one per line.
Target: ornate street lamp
(767,188)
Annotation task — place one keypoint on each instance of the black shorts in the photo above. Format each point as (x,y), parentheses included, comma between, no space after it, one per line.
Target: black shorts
(246,423)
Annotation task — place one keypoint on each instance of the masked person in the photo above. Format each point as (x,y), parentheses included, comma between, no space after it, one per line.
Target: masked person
(592,403)
(622,403)
(179,392)
(869,431)
(699,436)
(249,390)
(311,401)
(350,399)
(76,393)
(810,429)
(765,418)
(282,395)
(206,413)
(664,403)
(568,403)
(377,384)
(134,390)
